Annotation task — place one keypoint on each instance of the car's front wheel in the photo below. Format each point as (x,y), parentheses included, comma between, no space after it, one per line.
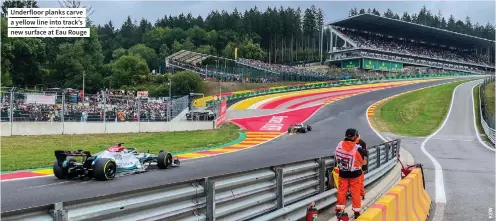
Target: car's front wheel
(164,160)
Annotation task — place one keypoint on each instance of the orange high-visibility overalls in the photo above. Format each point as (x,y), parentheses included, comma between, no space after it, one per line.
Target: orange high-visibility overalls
(349,160)
(362,177)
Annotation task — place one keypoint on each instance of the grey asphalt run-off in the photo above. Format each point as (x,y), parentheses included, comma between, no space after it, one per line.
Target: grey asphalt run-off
(328,125)
(468,167)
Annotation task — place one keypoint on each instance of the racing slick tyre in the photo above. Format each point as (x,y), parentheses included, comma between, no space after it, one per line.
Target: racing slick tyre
(164,160)
(303,130)
(104,169)
(60,172)
(309,128)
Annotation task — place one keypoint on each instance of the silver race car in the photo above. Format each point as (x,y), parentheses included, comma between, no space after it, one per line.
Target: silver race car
(105,165)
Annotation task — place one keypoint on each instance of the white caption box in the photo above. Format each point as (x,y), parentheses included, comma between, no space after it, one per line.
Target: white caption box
(48,32)
(47,22)
(46,13)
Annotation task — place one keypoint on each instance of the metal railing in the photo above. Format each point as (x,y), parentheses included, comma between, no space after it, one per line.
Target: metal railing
(487,118)
(262,194)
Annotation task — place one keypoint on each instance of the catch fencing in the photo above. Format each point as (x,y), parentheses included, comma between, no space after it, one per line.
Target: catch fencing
(487,118)
(18,108)
(100,107)
(272,193)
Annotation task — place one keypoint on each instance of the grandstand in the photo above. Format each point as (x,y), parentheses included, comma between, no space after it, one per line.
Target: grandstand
(376,44)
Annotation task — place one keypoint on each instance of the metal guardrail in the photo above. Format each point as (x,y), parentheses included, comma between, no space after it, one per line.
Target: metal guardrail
(261,194)
(487,119)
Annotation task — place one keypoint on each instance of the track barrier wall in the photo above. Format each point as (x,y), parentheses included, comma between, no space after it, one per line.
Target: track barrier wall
(54,128)
(407,201)
(269,193)
(486,117)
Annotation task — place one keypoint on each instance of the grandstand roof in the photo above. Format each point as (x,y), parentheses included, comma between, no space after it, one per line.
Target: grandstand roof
(393,27)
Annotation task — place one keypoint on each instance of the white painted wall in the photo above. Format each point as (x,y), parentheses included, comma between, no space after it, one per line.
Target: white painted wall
(52,128)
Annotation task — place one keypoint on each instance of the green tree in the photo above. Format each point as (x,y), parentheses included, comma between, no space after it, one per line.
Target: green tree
(128,70)
(146,53)
(185,82)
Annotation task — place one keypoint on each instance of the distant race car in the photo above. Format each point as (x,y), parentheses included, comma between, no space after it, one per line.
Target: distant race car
(200,115)
(299,128)
(106,164)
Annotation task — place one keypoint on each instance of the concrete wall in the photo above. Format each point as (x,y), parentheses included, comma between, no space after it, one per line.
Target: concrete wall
(52,128)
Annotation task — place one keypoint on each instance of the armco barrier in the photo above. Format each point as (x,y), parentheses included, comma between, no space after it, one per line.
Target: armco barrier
(407,201)
(54,128)
(486,118)
(264,194)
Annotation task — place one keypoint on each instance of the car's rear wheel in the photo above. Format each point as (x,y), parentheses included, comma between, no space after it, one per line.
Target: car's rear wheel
(63,172)
(164,160)
(104,169)
(309,128)
(58,171)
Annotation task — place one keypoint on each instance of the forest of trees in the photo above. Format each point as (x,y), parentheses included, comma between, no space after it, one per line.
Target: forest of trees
(124,57)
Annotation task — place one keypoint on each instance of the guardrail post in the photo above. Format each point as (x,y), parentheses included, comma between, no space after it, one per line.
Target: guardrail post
(59,214)
(210,197)
(388,148)
(397,147)
(321,175)
(378,155)
(280,187)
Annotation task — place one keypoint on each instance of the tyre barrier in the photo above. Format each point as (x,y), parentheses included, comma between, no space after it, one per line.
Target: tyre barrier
(407,200)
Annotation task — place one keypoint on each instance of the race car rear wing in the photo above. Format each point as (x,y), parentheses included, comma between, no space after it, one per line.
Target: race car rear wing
(61,155)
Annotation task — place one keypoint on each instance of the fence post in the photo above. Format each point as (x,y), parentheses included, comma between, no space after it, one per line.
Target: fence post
(11,104)
(63,107)
(138,102)
(321,175)
(210,197)
(388,148)
(59,214)
(104,110)
(280,187)
(378,155)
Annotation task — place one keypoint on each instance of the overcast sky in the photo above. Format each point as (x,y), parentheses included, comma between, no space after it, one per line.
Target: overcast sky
(117,11)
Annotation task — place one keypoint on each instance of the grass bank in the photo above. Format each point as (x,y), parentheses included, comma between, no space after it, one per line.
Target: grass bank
(490,97)
(26,152)
(417,113)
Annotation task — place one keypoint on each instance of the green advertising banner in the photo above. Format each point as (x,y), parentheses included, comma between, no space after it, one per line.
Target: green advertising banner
(396,67)
(351,64)
(370,64)
(382,65)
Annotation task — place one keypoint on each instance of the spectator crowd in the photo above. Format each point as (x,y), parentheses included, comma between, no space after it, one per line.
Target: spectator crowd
(120,106)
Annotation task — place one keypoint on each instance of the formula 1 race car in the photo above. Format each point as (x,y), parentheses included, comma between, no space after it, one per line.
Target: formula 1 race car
(106,164)
(299,128)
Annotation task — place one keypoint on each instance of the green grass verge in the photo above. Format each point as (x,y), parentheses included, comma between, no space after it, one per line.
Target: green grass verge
(480,130)
(490,97)
(27,152)
(417,113)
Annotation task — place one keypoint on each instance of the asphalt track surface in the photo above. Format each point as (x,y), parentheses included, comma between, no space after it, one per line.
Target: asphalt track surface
(329,124)
(468,167)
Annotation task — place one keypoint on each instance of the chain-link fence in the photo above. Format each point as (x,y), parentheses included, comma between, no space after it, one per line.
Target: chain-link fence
(103,106)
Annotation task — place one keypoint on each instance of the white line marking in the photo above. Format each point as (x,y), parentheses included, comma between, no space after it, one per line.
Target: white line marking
(475,119)
(453,139)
